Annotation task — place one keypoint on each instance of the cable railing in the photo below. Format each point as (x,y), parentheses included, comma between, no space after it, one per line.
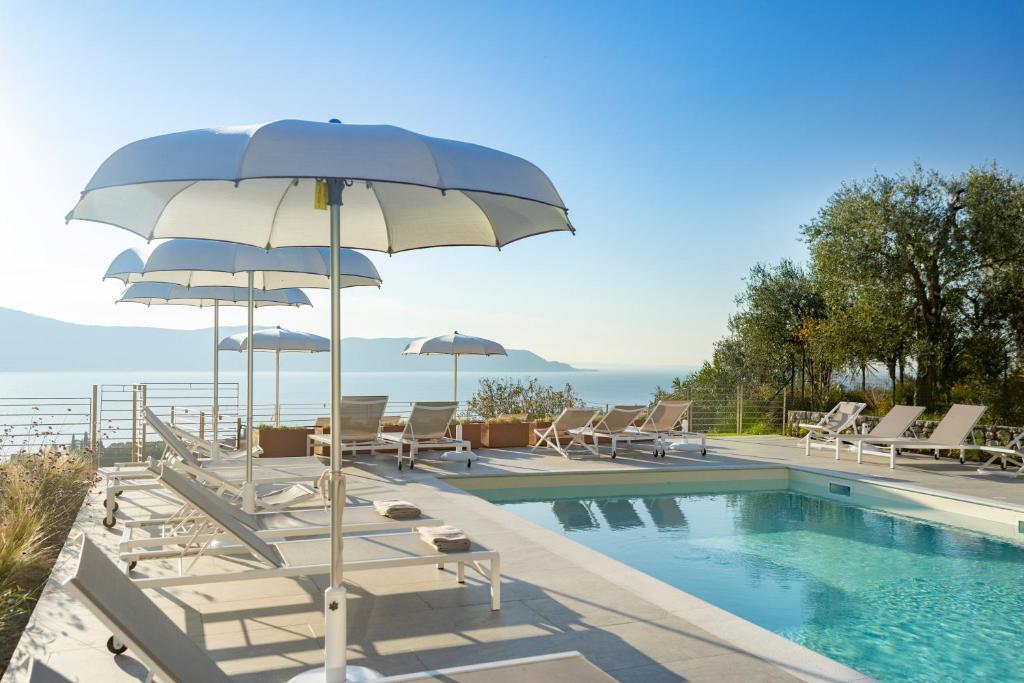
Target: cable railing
(38,424)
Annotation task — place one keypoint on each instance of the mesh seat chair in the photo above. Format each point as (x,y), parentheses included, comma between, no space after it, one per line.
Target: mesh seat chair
(427,427)
(821,434)
(894,425)
(191,530)
(562,434)
(615,427)
(164,649)
(360,427)
(1011,453)
(950,435)
(667,420)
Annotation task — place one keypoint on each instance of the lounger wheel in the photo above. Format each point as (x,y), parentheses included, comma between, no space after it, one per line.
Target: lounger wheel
(1002,465)
(399,465)
(703,452)
(613,455)
(962,460)
(936,456)
(109,524)
(469,463)
(118,494)
(116,646)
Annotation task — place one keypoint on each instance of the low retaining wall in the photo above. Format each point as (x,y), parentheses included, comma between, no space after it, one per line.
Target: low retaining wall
(986,434)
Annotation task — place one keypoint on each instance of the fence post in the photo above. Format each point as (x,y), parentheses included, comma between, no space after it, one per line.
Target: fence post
(238,432)
(142,425)
(785,414)
(94,422)
(135,421)
(738,418)
(202,426)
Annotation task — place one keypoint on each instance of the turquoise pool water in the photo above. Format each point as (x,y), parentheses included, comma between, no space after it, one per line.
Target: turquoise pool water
(894,598)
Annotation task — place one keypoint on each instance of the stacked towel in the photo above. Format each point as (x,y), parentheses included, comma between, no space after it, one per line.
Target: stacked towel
(396,509)
(447,539)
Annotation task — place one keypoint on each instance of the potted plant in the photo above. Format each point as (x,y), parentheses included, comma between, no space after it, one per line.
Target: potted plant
(281,442)
(472,431)
(507,431)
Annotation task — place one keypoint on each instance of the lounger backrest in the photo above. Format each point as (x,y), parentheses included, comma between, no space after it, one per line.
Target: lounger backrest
(149,634)
(360,417)
(40,673)
(222,513)
(842,416)
(957,424)
(574,418)
(618,418)
(665,416)
(170,439)
(430,419)
(897,421)
(189,489)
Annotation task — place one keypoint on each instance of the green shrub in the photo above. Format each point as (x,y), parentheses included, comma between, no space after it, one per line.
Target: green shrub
(500,396)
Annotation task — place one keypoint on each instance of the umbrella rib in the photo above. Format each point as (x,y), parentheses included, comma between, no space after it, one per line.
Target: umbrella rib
(487,218)
(273,219)
(383,215)
(166,204)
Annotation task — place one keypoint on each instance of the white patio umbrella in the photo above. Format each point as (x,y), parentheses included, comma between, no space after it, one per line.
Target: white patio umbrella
(277,340)
(265,185)
(200,262)
(455,345)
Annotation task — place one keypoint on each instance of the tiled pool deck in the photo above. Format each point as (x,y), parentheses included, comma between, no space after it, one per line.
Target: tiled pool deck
(556,594)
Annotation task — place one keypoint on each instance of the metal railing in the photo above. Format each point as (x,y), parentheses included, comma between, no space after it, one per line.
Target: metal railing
(34,424)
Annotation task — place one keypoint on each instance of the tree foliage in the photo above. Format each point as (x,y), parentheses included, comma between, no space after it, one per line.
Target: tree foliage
(500,396)
(919,274)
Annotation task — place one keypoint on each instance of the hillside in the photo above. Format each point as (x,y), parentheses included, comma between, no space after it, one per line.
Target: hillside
(37,343)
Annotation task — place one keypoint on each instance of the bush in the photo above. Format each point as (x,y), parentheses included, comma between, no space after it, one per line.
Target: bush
(40,495)
(500,396)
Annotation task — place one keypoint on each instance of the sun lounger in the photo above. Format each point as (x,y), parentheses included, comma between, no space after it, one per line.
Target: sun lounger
(312,557)
(822,433)
(137,624)
(668,419)
(360,427)
(560,435)
(427,427)
(191,530)
(280,482)
(893,426)
(950,435)
(204,447)
(1011,453)
(614,427)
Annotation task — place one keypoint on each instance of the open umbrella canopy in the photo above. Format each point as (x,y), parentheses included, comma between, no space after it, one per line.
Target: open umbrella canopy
(256,185)
(455,344)
(195,262)
(277,339)
(155,293)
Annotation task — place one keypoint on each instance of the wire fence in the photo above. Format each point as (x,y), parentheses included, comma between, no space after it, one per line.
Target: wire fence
(113,417)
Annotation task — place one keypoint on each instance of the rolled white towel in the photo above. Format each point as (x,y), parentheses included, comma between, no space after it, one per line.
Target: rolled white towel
(396,509)
(446,538)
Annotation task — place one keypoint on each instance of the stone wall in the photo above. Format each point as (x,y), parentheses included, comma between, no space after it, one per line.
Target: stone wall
(984,434)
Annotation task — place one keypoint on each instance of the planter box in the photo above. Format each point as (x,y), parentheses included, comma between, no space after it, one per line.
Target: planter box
(505,434)
(471,432)
(537,424)
(281,443)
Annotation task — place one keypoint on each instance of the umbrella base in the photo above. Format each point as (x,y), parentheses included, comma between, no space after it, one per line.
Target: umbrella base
(353,674)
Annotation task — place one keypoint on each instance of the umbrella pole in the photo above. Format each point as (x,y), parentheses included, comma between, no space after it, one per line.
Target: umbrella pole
(277,389)
(249,489)
(335,636)
(215,447)
(455,383)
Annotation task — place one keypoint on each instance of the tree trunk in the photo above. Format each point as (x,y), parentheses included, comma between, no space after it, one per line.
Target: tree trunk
(863,379)
(891,366)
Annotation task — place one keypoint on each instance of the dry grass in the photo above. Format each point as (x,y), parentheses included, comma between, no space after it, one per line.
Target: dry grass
(40,495)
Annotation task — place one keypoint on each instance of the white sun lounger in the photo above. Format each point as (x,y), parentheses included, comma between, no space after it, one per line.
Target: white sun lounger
(1011,453)
(614,427)
(668,419)
(312,557)
(191,530)
(950,435)
(280,482)
(427,427)
(168,654)
(562,430)
(893,426)
(822,433)
(360,427)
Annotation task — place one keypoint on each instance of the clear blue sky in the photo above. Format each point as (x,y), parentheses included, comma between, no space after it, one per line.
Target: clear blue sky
(689,140)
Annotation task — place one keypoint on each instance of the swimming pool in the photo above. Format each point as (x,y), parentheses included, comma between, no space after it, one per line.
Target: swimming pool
(897,598)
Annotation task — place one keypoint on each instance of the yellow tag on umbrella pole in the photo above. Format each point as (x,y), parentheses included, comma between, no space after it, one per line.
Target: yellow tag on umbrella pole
(320,195)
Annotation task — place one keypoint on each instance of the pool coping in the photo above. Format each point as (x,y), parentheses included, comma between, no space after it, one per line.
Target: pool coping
(793,658)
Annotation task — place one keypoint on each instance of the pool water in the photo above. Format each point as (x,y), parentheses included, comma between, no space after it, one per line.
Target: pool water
(895,598)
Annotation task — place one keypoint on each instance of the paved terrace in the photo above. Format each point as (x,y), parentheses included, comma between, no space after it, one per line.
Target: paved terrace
(556,595)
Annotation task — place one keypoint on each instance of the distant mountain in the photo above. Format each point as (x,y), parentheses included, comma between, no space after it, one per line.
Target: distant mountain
(33,342)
